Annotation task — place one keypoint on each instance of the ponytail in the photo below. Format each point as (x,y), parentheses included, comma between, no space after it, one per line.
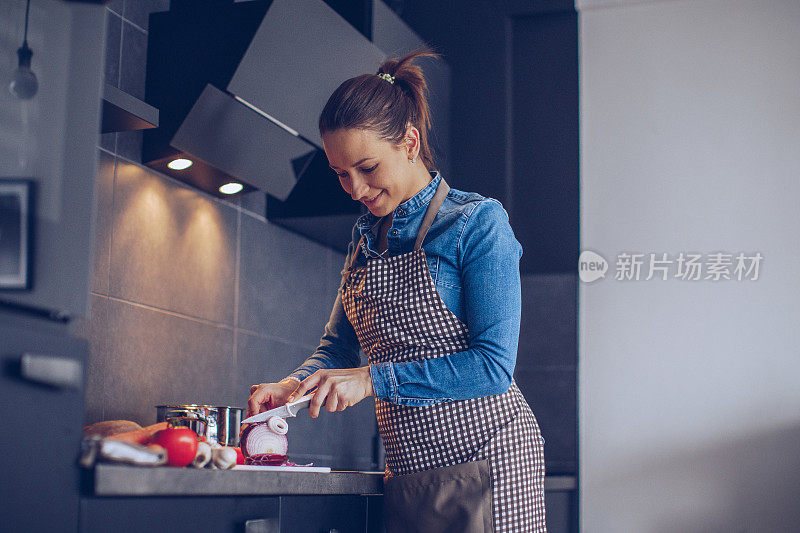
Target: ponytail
(386,108)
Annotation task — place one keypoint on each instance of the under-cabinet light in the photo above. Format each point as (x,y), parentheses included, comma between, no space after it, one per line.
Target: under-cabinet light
(231,188)
(179,164)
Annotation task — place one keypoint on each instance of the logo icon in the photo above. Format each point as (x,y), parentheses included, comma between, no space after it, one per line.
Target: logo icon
(591,266)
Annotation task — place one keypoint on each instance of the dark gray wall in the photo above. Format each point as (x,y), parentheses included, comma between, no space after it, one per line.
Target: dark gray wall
(193,299)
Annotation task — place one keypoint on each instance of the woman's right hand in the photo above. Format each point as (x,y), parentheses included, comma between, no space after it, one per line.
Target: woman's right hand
(265,396)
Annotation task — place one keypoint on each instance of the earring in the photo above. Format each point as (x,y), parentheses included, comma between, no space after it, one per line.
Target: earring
(412,160)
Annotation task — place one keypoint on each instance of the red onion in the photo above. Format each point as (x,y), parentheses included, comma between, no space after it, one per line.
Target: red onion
(265,442)
(266,459)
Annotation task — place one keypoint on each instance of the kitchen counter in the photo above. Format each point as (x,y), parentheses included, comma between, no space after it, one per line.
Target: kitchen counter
(133,499)
(117,480)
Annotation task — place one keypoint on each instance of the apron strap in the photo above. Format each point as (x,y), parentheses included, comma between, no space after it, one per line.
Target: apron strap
(433,208)
(356,251)
(430,214)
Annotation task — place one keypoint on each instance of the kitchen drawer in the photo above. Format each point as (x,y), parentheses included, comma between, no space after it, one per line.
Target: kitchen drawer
(321,514)
(562,511)
(265,514)
(177,514)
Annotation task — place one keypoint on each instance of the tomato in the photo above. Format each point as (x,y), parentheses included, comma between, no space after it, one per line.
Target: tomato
(239,455)
(180,443)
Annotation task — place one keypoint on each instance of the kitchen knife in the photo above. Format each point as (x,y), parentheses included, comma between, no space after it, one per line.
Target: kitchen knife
(284,411)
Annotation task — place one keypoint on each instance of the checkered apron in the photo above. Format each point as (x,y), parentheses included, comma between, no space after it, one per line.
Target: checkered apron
(399,316)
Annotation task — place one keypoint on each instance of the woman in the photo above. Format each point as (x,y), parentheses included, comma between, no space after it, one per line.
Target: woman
(431,293)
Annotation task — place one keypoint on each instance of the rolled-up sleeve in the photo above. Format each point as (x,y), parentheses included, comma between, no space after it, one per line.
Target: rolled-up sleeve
(489,256)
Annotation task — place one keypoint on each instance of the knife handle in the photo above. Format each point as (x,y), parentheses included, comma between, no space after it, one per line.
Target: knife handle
(298,405)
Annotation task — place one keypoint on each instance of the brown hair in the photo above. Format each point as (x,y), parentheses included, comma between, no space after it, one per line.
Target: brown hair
(371,103)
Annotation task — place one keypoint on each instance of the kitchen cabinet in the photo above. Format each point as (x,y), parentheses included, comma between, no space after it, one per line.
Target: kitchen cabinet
(561,500)
(42,398)
(131,499)
(265,514)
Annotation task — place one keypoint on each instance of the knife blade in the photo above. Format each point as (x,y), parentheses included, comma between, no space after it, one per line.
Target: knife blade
(289,410)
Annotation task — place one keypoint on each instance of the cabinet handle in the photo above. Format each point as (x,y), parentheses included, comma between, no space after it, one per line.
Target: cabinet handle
(263,525)
(58,372)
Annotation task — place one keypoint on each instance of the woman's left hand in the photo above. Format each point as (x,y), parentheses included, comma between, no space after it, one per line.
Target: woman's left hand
(342,388)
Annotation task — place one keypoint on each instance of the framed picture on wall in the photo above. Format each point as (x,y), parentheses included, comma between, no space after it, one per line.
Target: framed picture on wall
(16,206)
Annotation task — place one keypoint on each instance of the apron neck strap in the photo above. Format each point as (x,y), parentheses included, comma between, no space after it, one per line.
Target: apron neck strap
(356,252)
(430,214)
(436,202)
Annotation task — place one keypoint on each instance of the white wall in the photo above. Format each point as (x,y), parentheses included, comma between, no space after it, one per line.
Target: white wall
(689,391)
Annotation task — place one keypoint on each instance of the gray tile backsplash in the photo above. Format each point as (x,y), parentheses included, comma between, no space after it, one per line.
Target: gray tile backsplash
(134,56)
(108,142)
(104,194)
(138,11)
(158,358)
(117,6)
(284,289)
(94,328)
(129,145)
(262,359)
(113,42)
(172,248)
(254,202)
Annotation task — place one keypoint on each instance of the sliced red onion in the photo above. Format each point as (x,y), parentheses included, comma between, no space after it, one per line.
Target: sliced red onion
(261,438)
(267,459)
(278,425)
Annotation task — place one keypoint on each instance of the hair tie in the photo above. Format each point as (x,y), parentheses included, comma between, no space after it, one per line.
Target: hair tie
(387,77)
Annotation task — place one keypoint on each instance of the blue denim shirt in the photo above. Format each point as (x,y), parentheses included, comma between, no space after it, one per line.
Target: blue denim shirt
(473,258)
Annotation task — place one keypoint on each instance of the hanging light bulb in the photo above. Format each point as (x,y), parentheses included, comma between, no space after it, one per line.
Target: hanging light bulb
(24,83)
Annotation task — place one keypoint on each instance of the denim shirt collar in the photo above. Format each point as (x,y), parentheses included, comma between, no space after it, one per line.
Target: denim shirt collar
(368,221)
(423,197)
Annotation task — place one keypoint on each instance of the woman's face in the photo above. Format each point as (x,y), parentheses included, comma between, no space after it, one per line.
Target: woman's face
(373,171)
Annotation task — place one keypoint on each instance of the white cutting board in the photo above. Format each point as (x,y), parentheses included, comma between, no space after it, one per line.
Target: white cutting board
(283,468)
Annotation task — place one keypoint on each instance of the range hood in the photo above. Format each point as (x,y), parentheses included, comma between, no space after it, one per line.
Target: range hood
(240,86)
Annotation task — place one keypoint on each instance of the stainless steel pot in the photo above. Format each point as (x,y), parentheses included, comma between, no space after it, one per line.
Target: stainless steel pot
(218,423)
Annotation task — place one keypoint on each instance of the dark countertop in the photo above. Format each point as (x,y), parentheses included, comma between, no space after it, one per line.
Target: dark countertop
(118,480)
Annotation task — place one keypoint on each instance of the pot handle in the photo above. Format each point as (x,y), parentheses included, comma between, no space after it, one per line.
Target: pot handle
(188,415)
